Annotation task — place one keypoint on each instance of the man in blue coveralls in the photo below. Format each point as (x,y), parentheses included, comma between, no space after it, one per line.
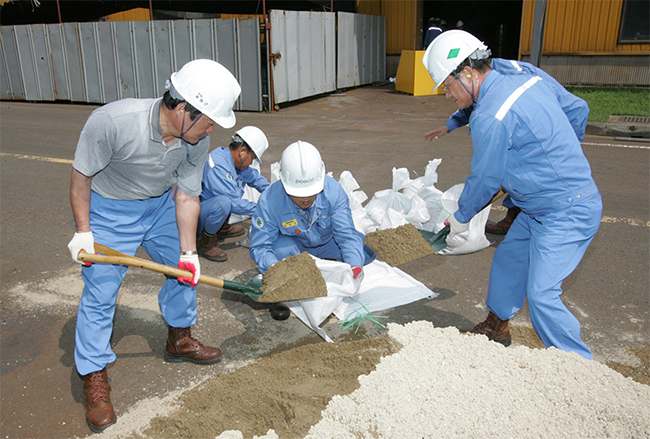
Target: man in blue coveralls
(129,155)
(526,141)
(225,176)
(575,109)
(306,211)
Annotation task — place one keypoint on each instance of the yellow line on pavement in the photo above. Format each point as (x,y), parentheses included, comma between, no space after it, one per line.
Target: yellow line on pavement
(35,157)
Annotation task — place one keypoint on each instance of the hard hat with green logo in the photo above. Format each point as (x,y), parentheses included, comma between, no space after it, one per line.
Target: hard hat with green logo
(450,49)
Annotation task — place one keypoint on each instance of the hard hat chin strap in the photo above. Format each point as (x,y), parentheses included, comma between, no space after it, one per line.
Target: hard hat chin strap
(241,165)
(471,93)
(185,142)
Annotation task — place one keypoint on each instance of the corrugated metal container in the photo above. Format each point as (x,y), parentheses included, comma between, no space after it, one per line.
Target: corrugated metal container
(403,22)
(579,27)
(581,44)
(597,70)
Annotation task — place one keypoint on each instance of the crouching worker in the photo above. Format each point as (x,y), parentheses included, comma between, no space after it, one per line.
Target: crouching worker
(305,211)
(129,155)
(227,171)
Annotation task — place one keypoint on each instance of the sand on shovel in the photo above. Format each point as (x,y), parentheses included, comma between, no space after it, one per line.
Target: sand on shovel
(399,245)
(294,278)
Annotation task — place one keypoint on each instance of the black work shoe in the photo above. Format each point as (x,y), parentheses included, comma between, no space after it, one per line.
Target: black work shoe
(280,311)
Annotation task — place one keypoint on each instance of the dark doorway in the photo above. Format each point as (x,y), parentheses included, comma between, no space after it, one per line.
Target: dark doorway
(497,23)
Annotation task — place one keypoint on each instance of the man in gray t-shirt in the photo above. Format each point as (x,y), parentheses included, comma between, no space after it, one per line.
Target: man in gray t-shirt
(129,156)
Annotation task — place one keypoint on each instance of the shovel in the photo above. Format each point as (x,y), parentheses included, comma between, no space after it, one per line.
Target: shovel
(438,240)
(111,256)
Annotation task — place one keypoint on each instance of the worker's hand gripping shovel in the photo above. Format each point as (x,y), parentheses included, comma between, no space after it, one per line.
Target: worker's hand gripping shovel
(111,256)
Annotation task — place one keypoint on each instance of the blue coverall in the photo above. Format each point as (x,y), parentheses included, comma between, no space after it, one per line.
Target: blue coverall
(281,230)
(575,110)
(223,189)
(525,141)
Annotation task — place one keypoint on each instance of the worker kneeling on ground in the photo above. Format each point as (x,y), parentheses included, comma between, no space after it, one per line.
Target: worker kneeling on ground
(525,140)
(226,173)
(129,155)
(305,211)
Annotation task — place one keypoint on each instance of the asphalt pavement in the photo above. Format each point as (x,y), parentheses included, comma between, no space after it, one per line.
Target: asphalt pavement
(367,131)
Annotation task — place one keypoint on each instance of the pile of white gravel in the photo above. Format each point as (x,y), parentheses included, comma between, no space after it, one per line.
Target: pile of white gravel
(443,384)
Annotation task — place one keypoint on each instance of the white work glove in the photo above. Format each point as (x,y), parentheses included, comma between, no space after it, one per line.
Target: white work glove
(82,241)
(455,226)
(357,277)
(190,262)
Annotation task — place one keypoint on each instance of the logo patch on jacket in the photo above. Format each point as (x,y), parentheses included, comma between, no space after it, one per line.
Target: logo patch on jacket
(259,222)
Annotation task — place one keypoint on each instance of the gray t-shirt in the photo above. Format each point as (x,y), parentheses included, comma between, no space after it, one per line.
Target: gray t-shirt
(121,147)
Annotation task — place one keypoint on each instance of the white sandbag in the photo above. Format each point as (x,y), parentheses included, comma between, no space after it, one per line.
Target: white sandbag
(275,172)
(350,186)
(339,282)
(363,222)
(250,194)
(382,287)
(393,198)
(429,179)
(469,241)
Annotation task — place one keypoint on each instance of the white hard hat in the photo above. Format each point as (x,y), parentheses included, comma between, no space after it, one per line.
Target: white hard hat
(302,171)
(448,50)
(209,87)
(255,139)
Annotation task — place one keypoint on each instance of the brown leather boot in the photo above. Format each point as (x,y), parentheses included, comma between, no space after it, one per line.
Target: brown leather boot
(229,230)
(208,247)
(494,328)
(99,410)
(502,227)
(181,346)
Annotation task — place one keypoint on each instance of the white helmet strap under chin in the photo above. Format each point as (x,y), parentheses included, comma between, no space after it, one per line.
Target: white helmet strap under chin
(471,93)
(185,142)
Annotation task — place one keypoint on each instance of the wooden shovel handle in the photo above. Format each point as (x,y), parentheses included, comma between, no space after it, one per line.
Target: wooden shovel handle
(500,193)
(114,257)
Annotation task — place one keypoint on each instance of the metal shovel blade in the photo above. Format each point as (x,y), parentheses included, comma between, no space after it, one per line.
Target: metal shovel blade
(438,241)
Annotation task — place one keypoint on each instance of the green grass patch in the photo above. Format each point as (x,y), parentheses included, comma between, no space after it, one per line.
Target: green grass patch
(616,101)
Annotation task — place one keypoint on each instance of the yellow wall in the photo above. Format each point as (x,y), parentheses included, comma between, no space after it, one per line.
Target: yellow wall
(579,27)
(137,14)
(403,22)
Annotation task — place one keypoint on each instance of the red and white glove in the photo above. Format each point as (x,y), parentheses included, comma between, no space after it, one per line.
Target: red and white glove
(189,261)
(357,277)
(82,241)
(455,227)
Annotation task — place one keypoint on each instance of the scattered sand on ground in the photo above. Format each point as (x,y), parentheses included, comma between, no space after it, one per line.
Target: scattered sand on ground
(399,245)
(285,392)
(640,373)
(294,278)
(436,385)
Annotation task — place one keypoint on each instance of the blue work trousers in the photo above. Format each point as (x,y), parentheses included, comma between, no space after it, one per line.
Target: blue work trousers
(288,246)
(125,226)
(535,257)
(214,212)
